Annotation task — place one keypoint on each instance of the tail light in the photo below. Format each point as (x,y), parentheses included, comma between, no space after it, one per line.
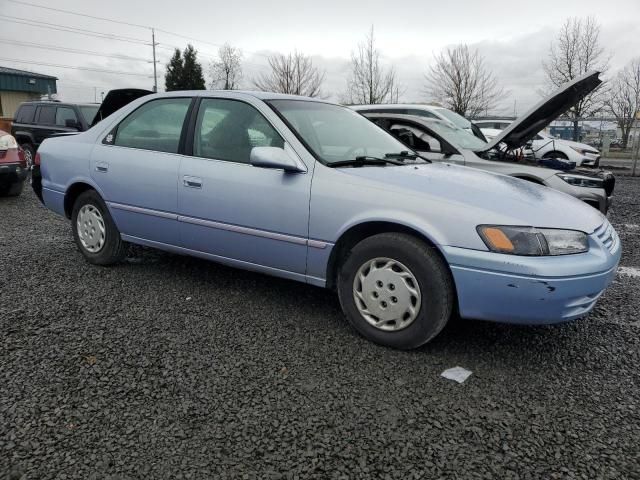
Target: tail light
(36,161)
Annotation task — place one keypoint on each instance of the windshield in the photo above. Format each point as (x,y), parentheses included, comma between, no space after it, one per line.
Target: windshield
(335,133)
(457,119)
(457,136)
(89,112)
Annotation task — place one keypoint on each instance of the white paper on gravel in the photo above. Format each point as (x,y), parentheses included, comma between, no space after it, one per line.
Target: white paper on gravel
(457,374)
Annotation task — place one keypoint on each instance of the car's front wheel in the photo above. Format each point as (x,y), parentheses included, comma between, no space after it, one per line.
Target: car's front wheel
(94,231)
(396,290)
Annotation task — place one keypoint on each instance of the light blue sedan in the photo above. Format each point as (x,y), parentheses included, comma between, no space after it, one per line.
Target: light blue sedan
(311,191)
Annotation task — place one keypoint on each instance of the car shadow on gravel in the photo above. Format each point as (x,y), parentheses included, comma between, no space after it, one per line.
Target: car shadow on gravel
(320,308)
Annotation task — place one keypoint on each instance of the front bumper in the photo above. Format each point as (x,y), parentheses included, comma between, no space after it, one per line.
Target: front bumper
(533,290)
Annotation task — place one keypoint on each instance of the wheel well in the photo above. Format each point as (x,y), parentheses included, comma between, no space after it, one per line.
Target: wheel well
(555,154)
(22,139)
(356,234)
(73,192)
(529,179)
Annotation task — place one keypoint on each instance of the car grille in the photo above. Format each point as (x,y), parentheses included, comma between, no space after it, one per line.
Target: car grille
(608,236)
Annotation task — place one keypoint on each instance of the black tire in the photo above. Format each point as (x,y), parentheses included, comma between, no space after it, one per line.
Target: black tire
(428,268)
(114,249)
(29,154)
(15,189)
(555,154)
(12,189)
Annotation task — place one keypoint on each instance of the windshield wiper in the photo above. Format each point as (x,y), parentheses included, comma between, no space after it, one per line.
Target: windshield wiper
(364,161)
(405,155)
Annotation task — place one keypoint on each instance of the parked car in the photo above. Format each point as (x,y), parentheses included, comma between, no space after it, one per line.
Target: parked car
(13,167)
(546,146)
(444,142)
(425,111)
(35,121)
(312,191)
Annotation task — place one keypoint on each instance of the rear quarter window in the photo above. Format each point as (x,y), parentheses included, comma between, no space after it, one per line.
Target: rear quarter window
(25,114)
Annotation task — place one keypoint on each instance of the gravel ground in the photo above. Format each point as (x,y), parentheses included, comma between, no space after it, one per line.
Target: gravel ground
(171,367)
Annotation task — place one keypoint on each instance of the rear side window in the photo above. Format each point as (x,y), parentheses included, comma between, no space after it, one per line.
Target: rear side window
(25,114)
(63,114)
(47,115)
(157,125)
(229,129)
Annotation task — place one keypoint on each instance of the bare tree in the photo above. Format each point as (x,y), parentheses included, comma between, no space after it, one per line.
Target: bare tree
(623,98)
(370,83)
(460,81)
(576,51)
(226,72)
(293,73)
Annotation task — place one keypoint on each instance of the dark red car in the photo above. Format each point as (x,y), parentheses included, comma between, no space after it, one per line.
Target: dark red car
(13,166)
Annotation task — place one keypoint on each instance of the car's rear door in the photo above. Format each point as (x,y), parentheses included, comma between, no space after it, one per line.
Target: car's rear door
(136,167)
(231,209)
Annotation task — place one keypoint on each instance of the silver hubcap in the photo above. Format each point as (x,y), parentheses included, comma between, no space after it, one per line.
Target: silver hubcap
(387,294)
(28,158)
(91,230)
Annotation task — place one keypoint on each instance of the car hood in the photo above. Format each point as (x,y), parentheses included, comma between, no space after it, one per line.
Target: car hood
(493,198)
(518,133)
(116,99)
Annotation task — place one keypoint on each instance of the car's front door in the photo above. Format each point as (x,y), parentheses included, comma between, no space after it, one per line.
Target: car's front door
(231,209)
(136,167)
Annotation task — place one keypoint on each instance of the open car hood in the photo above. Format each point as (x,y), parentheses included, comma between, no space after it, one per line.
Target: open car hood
(537,118)
(116,99)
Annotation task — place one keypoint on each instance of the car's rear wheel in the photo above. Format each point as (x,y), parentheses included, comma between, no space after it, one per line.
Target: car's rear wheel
(396,290)
(29,154)
(94,232)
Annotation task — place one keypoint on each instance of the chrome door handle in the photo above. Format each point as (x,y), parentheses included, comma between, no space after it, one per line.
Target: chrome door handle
(192,182)
(102,167)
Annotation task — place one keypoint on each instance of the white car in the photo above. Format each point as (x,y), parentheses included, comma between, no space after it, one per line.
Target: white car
(425,111)
(545,146)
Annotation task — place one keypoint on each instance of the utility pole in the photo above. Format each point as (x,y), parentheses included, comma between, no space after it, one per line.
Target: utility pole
(155,75)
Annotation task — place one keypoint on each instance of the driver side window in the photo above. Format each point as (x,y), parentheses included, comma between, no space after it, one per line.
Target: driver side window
(230,129)
(416,138)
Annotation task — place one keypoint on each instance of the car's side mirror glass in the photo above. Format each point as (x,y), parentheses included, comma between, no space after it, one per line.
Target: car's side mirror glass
(273,157)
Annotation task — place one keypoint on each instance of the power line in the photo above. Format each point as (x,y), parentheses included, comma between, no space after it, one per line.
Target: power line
(71,50)
(65,28)
(101,70)
(79,14)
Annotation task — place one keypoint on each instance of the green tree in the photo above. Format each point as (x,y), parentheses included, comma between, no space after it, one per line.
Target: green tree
(184,72)
(173,77)
(192,78)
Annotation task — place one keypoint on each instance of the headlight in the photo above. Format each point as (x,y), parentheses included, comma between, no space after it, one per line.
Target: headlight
(532,241)
(582,151)
(7,142)
(581,181)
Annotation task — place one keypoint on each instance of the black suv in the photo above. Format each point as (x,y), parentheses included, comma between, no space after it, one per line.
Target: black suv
(36,121)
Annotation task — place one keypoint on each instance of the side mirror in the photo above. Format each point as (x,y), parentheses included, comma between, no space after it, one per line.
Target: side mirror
(273,157)
(69,123)
(448,150)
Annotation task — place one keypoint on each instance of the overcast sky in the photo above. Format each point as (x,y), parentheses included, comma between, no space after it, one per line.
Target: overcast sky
(514,37)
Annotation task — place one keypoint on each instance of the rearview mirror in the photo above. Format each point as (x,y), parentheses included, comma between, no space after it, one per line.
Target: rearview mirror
(273,157)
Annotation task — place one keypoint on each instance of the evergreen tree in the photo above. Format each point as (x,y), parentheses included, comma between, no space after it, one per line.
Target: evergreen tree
(192,78)
(173,77)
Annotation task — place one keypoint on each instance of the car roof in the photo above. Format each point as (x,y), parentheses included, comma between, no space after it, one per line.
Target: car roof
(240,94)
(59,104)
(385,106)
